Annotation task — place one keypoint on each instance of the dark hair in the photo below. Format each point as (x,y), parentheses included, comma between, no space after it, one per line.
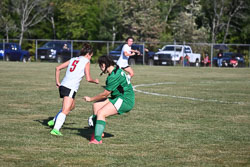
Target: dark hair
(86,49)
(107,60)
(129,38)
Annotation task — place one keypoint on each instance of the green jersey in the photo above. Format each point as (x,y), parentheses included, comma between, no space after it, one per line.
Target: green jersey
(122,93)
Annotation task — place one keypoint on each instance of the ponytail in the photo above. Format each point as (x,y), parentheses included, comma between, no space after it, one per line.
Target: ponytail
(86,49)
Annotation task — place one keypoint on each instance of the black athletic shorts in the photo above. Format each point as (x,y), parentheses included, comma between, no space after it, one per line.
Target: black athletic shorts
(64,91)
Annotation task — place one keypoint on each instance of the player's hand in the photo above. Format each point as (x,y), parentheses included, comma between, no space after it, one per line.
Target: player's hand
(58,85)
(97,81)
(87,99)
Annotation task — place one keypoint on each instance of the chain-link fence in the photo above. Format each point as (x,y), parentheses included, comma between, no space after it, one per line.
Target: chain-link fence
(164,53)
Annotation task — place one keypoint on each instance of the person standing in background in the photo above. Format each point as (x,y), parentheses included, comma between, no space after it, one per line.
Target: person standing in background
(219,59)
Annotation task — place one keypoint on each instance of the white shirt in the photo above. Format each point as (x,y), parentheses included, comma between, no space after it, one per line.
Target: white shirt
(75,72)
(123,60)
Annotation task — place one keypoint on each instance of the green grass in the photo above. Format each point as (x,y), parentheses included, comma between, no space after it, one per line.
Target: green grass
(166,130)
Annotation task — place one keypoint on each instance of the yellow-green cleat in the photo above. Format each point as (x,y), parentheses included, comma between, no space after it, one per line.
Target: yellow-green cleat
(56,132)
(51,123)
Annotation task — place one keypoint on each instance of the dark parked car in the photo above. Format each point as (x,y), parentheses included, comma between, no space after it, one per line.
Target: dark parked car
(13,52)
(136,59)
(58,51)
(229,56)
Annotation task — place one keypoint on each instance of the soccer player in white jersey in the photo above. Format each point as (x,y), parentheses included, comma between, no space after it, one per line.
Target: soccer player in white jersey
(125,53)
(77,68)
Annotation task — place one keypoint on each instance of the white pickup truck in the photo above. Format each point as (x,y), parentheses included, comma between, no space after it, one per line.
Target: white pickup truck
(171,54)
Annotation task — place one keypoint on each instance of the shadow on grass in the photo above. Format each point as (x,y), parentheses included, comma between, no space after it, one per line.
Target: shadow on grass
(85,132)
(44,122)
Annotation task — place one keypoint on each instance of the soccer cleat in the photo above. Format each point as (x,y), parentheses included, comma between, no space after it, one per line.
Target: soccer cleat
(95,142)
(51,123)
(56,132)
(93,136)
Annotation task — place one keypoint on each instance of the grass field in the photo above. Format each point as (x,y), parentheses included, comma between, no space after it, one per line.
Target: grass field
(195,117)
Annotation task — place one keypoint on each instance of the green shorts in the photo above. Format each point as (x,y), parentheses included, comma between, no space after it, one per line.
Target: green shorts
(122,105)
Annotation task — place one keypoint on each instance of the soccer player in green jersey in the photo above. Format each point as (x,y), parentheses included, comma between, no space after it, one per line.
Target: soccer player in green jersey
(122,97)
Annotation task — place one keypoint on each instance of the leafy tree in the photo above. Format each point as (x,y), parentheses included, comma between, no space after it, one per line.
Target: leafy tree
(185,27)
(242,33)
(51,17)
(169,12)
(71,17)
(7,22)
(146,20)
(110,20)
(220,15)
(30,12)
(78,19)
(141,19)
(46,29)
(234,10)
(92,21)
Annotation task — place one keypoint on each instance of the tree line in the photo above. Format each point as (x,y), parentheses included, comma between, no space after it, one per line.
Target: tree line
(210,21)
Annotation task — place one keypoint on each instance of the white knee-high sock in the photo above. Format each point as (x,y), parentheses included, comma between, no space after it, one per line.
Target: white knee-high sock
(57,115)
(59,121)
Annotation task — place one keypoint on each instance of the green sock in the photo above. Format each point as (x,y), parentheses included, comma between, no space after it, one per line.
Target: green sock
(94,119)
(99,129)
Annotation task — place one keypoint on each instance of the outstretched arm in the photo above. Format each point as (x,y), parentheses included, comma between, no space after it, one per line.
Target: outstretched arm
(128,54)
(58,69)
(88,76)
(101,96)
(136,51)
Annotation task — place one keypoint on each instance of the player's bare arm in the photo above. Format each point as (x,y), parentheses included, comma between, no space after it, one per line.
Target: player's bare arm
(101,96)
(136,51)
(88,76)
(128,54)
(58,69)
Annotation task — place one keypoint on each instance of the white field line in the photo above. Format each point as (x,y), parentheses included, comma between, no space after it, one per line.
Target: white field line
(178,97)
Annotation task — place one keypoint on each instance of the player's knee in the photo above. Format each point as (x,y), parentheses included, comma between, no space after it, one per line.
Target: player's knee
(100,115)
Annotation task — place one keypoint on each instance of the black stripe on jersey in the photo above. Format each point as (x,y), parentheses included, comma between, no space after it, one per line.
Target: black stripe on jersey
(117,68)
(120,89)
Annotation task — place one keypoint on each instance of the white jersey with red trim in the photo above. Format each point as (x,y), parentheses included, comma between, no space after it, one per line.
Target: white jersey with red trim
(75,72)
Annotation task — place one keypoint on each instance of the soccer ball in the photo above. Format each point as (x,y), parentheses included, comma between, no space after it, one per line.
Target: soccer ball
(90,121)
